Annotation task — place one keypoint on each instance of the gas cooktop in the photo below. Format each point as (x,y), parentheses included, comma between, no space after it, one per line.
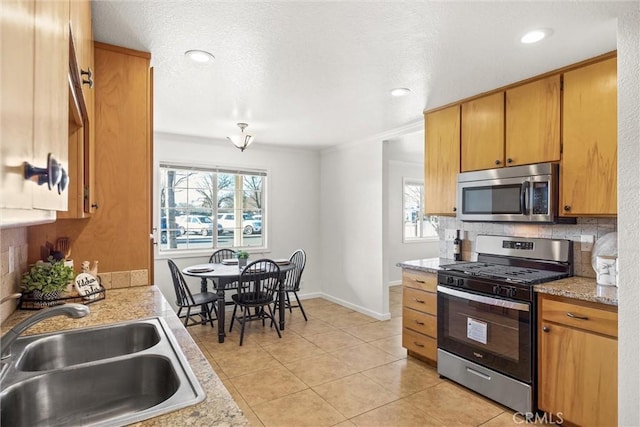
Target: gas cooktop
(507,273)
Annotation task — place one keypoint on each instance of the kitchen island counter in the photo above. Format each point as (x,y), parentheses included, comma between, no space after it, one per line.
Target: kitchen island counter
(218,408)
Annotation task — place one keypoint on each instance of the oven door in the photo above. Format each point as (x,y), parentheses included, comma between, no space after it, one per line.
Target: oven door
(492,332)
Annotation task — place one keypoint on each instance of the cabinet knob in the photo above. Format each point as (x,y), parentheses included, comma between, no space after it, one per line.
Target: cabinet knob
(455,209)
(95,205)
(64,181)
(509,160)
(546,329)
(50,175)
(89,79)
(498,162)
(567,208)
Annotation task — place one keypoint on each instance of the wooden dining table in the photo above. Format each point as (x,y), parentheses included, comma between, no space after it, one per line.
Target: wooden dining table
(223,275)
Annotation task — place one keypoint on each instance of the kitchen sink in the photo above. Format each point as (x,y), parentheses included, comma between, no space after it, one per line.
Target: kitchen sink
(86,345)
(110,375)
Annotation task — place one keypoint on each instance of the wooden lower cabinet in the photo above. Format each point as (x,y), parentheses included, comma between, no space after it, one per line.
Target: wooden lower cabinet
(419,314)
(578,361)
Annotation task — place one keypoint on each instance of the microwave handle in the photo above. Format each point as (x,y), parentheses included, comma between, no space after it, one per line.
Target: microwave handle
(524,190)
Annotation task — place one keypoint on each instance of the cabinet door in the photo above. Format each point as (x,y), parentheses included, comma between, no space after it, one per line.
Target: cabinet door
(16,92)
(532,133)
(578,375)
(589,159)
(482,144)
(51,89)
(442,160)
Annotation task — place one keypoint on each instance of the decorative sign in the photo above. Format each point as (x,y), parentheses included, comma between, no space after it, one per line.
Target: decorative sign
(87,284)
(476,330)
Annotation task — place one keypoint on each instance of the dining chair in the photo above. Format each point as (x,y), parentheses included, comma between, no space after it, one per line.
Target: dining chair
(257,289)
(204,302)
(292,281)
(217,257)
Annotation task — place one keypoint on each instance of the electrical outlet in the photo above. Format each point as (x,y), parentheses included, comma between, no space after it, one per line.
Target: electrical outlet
(586,242)
(12,258)
(449,234)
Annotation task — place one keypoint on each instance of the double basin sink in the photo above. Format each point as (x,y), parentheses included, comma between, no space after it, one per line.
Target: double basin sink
(110,375)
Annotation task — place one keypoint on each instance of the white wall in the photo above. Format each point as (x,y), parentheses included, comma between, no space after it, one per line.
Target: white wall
(403,159)
(351,223)
(293,206)
(629,218)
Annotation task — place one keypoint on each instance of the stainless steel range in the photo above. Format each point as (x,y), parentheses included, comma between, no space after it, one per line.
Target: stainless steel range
(487,312)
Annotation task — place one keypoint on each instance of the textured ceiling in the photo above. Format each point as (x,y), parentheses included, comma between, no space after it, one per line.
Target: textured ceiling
(318,74)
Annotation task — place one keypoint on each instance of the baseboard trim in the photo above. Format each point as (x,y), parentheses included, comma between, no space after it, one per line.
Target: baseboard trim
(359,309)
(395,283)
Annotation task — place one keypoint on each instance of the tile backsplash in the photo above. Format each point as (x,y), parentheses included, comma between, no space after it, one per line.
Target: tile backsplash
(597,227)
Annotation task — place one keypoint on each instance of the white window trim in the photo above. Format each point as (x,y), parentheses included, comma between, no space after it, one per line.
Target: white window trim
(409,240)
(193,253)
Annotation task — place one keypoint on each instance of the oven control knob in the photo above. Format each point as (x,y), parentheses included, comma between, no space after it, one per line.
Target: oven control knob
(497,289)
(449,280)
(512,292)
(460,282)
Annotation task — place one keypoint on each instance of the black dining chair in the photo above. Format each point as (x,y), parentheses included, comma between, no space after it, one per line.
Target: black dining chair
(257,289)
(221,254)
(203,302)
(292,281)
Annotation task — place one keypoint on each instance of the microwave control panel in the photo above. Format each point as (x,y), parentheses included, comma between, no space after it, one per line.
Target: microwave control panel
(540,198)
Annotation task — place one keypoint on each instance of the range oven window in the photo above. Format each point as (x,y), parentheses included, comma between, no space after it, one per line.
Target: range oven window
(492,199)
(492,332)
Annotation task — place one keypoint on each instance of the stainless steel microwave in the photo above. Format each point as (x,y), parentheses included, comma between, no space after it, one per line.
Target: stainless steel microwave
(516,194)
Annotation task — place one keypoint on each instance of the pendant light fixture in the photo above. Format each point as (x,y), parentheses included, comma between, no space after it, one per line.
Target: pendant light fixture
(241,140)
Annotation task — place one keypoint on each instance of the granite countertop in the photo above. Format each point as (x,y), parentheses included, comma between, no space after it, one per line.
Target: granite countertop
(218,408)
(429,265)
(580,288)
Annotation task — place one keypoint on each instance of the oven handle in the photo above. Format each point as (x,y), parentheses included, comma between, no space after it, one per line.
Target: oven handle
(483,299)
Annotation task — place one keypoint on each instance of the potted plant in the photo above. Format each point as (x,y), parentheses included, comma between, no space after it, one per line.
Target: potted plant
(47,280)
(242,258)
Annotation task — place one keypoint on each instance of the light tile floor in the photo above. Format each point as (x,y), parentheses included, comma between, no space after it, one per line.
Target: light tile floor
(341,368)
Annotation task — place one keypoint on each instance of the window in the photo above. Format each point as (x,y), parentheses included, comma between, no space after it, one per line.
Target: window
(416,225)
(210,208)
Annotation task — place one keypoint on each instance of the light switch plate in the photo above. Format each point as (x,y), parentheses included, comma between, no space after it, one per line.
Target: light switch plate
(12,258)
(586,242)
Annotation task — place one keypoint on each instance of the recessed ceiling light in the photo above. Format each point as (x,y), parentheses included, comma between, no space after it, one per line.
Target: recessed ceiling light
(535,36)
(400,91)
(199,56)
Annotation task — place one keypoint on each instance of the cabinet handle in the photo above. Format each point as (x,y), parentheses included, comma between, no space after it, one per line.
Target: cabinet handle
(95,205)
(546,329)
(419,322)
(89,79)
(51,175)
(509,160)
(577,316)
(419,281)
(417,344)
(567,208)
(418,300)
(498,162)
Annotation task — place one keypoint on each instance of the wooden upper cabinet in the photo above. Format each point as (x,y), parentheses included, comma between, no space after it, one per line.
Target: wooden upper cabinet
(482,135)
(589,131)
(442,160)
(81,140)
(532,130)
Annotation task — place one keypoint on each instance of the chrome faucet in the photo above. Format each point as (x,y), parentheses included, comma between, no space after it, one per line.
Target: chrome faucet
(70,310)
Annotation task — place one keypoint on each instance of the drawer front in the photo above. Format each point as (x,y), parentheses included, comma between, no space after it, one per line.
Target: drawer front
(419,280)
(582,316)
(419,300)
(421,344)
(424,323)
